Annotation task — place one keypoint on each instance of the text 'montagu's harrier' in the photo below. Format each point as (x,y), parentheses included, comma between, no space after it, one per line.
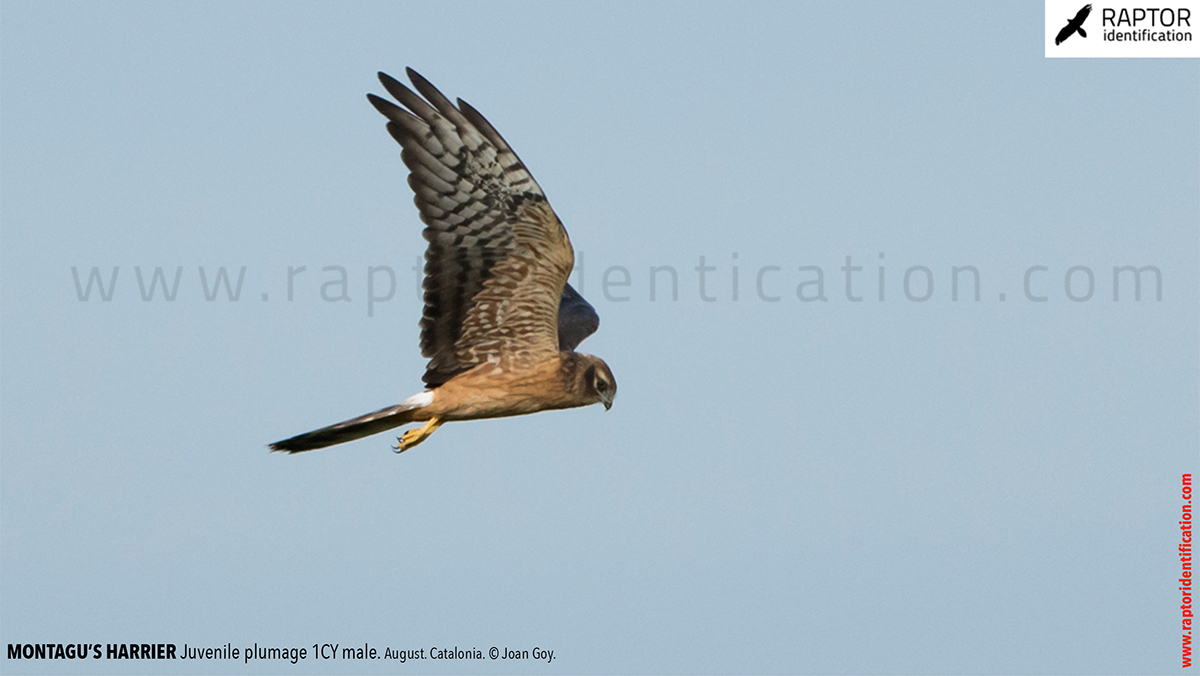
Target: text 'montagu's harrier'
(501,323)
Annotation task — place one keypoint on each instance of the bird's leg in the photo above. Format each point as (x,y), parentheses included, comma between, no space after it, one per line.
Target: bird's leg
(416,435)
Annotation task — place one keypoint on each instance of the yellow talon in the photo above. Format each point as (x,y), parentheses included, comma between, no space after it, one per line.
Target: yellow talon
(416,435)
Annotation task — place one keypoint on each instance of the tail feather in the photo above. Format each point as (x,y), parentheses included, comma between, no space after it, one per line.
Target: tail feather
(349,430)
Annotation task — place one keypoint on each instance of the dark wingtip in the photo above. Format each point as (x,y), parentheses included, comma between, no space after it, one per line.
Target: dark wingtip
(418,80)
(391,84)
(378,102)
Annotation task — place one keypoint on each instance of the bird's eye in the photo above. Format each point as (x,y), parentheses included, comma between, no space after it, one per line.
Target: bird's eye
(601,386)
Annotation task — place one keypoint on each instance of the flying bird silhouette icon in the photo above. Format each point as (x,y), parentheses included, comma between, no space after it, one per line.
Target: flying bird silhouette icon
(1074,25)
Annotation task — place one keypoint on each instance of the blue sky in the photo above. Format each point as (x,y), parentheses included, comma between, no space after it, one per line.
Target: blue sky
(802,486)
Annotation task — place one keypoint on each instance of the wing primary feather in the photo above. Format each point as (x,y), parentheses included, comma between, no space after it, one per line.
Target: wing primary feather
(438,99)
(406,96)
(483,125)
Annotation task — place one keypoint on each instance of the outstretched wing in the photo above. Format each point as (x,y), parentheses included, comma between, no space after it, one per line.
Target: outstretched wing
(1081,16)
(498,257)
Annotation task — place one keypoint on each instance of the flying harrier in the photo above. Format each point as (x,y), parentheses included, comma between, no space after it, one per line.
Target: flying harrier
(1073,25)
(501,323)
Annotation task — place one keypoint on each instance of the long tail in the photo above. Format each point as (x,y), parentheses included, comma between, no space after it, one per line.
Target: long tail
(349,430)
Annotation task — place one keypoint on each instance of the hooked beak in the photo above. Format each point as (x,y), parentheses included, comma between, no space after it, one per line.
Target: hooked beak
(607,400)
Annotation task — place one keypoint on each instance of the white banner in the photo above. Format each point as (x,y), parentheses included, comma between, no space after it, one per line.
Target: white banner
(1139,29)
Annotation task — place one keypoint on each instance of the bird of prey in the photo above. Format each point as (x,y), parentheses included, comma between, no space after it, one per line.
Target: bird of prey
(1074,25)
(500,324)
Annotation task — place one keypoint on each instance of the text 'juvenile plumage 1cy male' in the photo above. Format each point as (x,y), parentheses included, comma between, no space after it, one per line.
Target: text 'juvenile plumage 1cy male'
(500,324)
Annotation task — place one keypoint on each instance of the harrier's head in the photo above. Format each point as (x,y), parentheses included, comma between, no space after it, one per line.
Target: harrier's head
(594,381)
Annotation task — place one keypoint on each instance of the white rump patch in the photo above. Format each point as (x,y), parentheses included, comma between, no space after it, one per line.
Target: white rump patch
(419,400)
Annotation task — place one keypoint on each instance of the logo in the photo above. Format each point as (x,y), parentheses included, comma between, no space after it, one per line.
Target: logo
(1121,29)
(1074,25)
